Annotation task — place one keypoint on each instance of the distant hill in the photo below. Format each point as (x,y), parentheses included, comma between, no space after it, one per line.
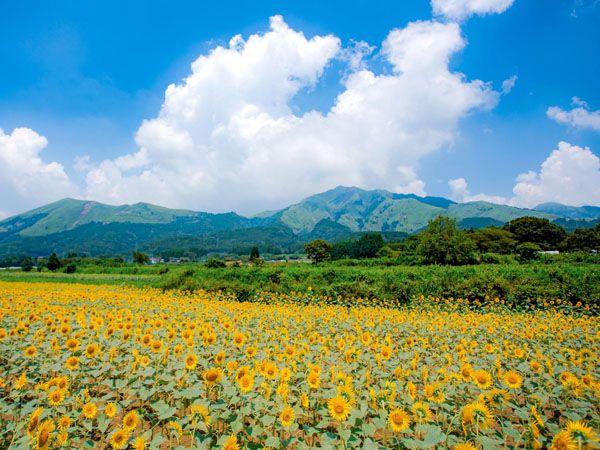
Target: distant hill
(570,212)
(379,210)
(94,228)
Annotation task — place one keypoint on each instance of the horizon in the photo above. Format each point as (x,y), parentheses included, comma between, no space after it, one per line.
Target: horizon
(246,110)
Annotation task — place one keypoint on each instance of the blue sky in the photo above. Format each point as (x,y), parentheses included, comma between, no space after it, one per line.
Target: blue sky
(85,75)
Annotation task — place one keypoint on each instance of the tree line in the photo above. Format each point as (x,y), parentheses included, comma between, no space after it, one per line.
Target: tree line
(443,242)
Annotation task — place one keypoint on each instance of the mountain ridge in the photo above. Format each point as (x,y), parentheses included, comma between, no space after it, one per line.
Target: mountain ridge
(339,213)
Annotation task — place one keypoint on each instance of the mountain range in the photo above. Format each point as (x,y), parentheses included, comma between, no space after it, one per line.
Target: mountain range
(93,228)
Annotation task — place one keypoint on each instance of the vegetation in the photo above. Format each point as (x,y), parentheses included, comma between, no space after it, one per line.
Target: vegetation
(53,263)
(444,243)
(318,250)
(571,278)
(140,258)
(367,246)
(119,367)
(537,231)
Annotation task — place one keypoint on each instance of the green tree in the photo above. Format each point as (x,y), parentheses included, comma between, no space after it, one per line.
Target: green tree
(528,251)
(27,264)
(584,239)
(254,254)
(318,250)
(53,262)
(215,263)
(539,231)
(493,240)
(442,242)
(368,245)
(140,258)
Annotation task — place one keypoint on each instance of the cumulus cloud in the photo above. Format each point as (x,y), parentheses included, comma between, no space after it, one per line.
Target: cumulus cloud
(570,175)
(459,192)
(226,137)
(579,116)
(25,179)
(459,10)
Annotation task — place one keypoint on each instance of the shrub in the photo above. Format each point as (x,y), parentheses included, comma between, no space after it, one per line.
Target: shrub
(215,263)
(528,251)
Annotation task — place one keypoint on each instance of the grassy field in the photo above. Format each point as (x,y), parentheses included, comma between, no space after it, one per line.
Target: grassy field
(118,367)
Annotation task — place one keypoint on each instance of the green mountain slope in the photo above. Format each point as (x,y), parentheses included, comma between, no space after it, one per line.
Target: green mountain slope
(380,210)
(502,213)
(570,212)
(69,213)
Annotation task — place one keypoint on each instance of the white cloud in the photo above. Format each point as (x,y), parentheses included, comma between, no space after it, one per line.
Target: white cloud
(226,137)
(25,179)
(578,117)
(459,10)
(355,54)
(459,192)
(509,84)
(570,175)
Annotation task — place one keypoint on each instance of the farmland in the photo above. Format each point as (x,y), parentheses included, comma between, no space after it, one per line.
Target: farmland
(119,367)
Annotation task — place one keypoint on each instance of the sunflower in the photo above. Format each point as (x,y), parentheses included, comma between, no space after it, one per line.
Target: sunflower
(34,421)
(156,345)
(90,410)
(513,379)
(64,422)
(250,352)
(139,443)
(202,411)
(563,441)
(434,393)
(72,344)
(72,363)
(482,379)
(92,350)
(581,433)
(286,417)
(44,434)
(398,420)
(239,339)
(191,361)
(110,410)
(535,366)
(212,376)
(476,415)
(466,371)
(131,420)
(339,408)
(270,370)
(246,383)
(422,412)
(30,351)
(56,397)
(314,380)
(21,381)
(61,438)
(464,446)
(386,352)
(231,443)
(119,439)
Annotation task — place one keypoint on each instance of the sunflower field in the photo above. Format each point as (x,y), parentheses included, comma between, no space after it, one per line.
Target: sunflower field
(84,366)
